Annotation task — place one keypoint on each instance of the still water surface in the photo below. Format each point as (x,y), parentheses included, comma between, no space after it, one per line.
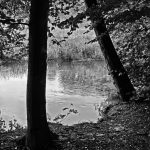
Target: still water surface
(78,85)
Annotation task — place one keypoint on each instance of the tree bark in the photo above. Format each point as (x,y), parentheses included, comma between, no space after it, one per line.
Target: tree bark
(39,137)
(1,53)
(116,69)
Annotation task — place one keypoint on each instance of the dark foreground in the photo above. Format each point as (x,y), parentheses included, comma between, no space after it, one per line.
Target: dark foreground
(126,126)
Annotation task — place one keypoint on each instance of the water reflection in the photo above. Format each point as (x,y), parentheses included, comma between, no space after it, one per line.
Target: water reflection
(17,70)
(81,78)
(84,78)
(13,91)
(79,83)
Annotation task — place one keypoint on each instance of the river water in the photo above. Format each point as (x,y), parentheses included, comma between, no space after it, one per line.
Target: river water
(73,90)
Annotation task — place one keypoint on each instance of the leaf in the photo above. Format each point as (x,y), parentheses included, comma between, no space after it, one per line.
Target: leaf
(65,108)
(52,28)
(50,34)
(73,111)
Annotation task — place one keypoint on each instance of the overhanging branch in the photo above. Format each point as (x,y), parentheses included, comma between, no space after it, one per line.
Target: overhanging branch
(11,21)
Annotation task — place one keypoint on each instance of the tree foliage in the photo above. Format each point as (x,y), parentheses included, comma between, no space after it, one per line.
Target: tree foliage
(131,33)
(13,25)
(127,22)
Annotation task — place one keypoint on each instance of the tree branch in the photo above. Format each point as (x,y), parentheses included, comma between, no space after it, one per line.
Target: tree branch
(11,21)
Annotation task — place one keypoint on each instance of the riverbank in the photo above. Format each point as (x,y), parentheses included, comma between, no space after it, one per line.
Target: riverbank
(51,60)
(126,126)
(73,51)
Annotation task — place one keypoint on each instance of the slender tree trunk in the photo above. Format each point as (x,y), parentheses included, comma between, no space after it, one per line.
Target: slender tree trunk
(116,69)
(39,137)
(1,53)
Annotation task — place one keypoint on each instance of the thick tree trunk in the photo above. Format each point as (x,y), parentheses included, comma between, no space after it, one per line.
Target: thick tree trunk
(116,69)
(39,137)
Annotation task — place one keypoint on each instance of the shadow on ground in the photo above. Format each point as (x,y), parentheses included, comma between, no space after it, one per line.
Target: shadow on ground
(126,126)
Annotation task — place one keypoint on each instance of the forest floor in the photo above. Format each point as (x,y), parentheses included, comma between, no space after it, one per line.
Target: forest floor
(126,126)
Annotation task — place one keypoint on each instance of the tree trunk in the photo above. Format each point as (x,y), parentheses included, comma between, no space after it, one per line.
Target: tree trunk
(38,134)
(116,69)
(1,53)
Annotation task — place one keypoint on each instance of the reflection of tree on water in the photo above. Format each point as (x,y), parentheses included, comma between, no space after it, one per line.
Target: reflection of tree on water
(52,68)
(15,70)
(81,78)
(86,78)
